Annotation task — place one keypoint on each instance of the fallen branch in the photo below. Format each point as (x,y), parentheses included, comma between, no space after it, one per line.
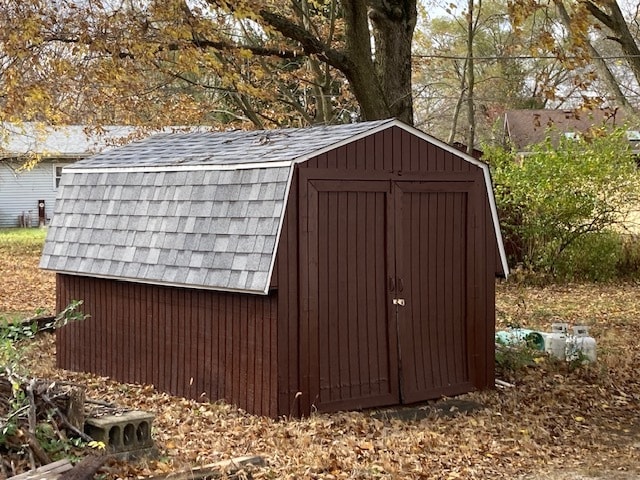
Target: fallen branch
(223,469)
(85,470)
(27,404)
(48,472)
(65,421)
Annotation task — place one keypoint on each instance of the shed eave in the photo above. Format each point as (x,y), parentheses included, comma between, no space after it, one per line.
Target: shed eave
(160,283)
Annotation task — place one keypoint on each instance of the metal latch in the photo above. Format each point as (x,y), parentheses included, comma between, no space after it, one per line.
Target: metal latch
(398,301)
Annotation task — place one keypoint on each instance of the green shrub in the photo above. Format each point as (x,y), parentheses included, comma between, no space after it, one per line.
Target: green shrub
(629,262)
(593,257)
(511,360)
(559,203)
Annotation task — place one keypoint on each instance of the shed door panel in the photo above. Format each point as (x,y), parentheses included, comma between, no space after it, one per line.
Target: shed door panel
(356,360)
(431,249)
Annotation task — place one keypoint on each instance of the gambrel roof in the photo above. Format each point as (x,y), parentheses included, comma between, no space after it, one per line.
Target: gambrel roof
(156,210)
(201,210)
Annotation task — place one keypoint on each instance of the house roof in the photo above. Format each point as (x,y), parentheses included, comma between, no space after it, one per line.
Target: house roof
(63,141)
(524,128)
(201,210)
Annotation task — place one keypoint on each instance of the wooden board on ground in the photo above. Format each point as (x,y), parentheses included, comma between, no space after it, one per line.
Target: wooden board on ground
(51,471)
(214,470)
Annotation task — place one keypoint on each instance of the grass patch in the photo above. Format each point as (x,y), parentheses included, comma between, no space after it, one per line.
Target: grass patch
(22,241)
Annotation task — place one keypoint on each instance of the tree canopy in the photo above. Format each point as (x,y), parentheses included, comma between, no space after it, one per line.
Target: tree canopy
(267,63)
(180,61)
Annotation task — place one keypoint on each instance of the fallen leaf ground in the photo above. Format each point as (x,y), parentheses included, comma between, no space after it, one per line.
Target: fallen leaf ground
(556,423)
(24,288)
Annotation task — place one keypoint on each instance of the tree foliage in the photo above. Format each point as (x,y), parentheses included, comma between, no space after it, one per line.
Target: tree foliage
(262,63)
(200,61)
(553,198)
(579,27)
(526,54)
(506,75)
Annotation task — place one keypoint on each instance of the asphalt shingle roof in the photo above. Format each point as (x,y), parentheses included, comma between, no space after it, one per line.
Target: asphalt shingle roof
(199,209)
(224,148)
(173,233)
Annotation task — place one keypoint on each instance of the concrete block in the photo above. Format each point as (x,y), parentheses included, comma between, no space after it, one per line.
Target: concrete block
(125,432)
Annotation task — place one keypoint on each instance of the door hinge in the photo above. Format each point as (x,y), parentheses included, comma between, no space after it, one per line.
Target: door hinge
(398,301)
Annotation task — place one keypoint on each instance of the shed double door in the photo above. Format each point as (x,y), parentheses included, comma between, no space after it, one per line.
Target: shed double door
(387,291)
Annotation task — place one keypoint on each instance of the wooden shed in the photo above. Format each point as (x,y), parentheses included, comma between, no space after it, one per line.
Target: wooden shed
(283,271)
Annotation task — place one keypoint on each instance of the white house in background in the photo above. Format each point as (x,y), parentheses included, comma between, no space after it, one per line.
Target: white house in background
(27,196)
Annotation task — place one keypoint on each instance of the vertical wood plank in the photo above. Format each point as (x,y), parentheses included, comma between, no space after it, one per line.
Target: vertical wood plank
(248,352)
(310,336)
(327,354)
(351,292)
(159,326)
(366,370)
(208,352)
(227,341)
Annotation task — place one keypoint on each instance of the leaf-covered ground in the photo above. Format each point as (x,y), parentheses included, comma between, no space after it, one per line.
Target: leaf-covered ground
(24,288)
(556,423)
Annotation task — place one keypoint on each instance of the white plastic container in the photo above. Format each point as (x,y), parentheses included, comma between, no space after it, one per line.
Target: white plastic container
(581,345)
(556,342)
(560,327)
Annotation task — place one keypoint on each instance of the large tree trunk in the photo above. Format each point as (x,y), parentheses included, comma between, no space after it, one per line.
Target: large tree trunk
(360,69)
(393,26)
(380,79)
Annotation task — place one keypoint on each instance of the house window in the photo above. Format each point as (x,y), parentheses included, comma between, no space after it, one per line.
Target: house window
(57,175)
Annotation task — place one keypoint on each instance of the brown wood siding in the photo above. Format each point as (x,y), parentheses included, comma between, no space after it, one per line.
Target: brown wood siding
(288,309)
(487,287)
(392,150)
(194,343)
